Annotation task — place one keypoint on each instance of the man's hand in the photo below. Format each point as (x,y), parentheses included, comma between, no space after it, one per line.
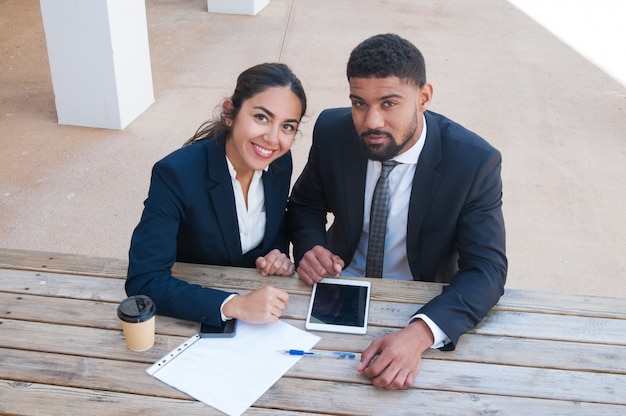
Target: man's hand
(264,305)
(393,361)
(276,263)
(318,263)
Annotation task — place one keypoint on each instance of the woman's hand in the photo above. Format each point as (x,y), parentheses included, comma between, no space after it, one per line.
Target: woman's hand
(264,305)
(276,263)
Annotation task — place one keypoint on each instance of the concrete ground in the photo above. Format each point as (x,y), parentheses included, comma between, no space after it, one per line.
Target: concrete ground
(557,117)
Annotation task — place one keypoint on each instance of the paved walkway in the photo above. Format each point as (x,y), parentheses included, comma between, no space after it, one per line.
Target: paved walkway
(558,118)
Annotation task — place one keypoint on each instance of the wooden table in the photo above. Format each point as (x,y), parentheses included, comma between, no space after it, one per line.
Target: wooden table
(62,350)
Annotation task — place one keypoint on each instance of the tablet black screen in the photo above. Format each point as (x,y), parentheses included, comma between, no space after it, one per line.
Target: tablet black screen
(339,305)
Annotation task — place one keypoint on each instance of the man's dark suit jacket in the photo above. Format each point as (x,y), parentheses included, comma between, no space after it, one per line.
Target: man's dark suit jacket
(190,216)
(455,230)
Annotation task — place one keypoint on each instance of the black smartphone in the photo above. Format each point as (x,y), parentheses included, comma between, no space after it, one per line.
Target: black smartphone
(226,330)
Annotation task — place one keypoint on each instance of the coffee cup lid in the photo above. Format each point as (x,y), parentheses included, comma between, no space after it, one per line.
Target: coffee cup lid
(137,308)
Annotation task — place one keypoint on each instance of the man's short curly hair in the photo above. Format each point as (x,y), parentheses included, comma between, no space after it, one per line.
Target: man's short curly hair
(387,55)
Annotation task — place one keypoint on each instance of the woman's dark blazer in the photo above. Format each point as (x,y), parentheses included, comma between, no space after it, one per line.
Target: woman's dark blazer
(190,216)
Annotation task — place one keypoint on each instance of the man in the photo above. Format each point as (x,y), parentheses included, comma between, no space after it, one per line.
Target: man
(445,220)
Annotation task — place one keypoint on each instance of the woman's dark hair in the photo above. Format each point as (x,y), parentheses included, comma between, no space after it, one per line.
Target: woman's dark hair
(388,55)
(251,82)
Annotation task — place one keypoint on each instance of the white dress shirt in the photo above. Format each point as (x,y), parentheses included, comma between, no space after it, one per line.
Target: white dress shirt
(396,263)
(251,218)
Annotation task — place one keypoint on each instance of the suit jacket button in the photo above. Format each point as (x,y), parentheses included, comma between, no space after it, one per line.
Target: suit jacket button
(203,318)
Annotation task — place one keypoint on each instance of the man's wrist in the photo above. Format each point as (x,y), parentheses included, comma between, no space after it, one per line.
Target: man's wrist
(423,333)
(440,337)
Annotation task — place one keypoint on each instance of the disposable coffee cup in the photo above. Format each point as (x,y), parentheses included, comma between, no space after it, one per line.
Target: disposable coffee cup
(137,315)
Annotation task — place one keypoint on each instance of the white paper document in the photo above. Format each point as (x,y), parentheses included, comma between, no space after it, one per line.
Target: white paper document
(230,374)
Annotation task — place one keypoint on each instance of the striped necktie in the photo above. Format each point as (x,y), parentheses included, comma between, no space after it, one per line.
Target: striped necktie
(378,222)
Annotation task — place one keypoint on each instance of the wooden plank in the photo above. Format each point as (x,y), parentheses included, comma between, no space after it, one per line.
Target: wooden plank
(475,378)
(435,374)
(34,399)
(56,262)
(554,327)
(65,285)
(101,314)
(81,341)
(62,285)
(25,398)
(537,353)
(383,290)
(417,293)
(105,343)
(442,376)
(563,304)
(513,351)
(82,372)
(328,397)
(497,323)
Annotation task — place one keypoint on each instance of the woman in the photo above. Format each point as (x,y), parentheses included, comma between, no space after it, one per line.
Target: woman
(221,199)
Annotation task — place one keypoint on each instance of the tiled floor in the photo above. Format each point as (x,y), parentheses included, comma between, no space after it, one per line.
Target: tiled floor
(558,119)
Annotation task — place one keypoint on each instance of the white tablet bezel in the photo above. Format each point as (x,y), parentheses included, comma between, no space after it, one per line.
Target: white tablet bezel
(315,326)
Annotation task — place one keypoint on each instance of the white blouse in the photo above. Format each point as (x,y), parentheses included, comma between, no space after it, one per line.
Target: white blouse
(251,218)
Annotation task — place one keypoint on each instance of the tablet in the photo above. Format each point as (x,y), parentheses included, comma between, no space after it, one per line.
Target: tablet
(339,305)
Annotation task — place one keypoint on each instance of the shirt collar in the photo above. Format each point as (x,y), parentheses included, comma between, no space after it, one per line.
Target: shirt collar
(233,173)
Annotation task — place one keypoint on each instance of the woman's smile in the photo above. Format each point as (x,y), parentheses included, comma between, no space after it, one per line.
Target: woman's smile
(262,151)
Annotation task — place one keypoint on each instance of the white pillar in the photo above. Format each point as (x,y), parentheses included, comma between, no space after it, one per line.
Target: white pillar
(99,60)
(251,7)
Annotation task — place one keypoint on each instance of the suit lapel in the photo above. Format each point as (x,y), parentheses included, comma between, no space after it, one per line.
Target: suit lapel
(272,201)
(223,199)
(354,187)
(425,182)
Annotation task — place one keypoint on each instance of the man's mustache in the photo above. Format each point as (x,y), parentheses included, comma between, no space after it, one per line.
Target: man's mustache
(376,133)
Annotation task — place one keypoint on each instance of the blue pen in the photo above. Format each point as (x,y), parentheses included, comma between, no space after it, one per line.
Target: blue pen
(331,354)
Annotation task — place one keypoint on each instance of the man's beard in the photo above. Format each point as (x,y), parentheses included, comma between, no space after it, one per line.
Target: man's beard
(382,152)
